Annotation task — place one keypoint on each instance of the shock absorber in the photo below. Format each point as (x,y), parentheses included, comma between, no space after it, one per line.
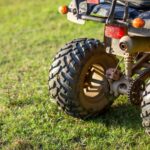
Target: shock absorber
(128,65)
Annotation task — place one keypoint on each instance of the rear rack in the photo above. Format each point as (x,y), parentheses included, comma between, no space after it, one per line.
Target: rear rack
(111,19)
(103,20)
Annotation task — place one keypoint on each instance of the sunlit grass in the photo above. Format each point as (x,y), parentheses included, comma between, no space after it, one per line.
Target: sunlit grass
(31,33)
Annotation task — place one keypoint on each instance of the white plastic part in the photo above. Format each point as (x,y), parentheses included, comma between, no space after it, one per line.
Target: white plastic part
(74,19)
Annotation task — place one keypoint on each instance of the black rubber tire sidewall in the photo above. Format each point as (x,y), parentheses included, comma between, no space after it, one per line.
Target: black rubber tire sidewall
(66,71)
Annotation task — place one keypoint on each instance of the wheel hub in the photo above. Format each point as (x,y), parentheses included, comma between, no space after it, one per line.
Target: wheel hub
(95,81)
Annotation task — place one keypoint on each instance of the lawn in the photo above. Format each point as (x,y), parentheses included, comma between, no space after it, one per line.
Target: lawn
(31,33)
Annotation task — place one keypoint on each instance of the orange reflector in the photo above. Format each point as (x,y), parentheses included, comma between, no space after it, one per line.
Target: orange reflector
(138,23)
(63,9)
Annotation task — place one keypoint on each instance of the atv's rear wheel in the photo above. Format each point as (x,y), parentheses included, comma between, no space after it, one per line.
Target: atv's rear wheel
(77,78)
(145,105)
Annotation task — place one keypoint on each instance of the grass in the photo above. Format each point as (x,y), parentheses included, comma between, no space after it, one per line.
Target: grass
(31,32)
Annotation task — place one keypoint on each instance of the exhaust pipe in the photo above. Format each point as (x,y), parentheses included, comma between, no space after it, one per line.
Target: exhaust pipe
(126,43)
(134,44)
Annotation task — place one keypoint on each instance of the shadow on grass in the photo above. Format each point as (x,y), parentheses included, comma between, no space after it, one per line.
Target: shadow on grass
(121,115)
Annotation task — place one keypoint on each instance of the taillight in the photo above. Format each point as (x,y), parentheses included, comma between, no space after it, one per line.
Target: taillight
(116,32)
(93,1)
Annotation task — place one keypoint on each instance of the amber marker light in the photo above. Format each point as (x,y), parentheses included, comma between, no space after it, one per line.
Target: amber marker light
(138,23)
(63,10)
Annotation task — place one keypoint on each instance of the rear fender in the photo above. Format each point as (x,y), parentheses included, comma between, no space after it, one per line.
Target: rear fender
(73,18)
(76,8)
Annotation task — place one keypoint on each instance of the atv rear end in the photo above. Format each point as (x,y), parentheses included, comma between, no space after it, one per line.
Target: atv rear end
(86,77)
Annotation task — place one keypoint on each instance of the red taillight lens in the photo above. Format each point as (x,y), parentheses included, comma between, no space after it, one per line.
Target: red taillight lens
(93,1)
(115,31)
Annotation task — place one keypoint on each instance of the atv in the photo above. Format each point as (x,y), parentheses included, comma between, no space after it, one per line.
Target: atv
(86,75)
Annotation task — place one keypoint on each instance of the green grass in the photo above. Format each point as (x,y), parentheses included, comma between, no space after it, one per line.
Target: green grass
(30,34)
